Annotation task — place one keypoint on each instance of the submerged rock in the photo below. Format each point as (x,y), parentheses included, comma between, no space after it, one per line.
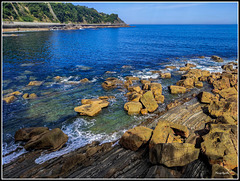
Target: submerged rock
(9,99)
(84,80)
(35,83)
(134,138)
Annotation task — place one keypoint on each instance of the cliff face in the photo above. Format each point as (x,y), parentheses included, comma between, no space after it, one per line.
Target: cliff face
(55,13)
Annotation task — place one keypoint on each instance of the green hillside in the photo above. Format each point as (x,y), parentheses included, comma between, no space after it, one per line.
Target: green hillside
(55,13)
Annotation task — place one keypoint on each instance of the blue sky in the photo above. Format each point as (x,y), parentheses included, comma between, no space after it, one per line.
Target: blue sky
(170,13)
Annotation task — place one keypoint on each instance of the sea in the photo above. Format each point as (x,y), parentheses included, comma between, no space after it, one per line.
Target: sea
(97,54)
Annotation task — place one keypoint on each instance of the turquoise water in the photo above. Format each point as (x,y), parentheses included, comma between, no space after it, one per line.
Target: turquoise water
(89,53)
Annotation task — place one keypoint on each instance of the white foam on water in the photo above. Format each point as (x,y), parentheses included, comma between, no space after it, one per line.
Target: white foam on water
(77,138)
(145,74)
(11,151)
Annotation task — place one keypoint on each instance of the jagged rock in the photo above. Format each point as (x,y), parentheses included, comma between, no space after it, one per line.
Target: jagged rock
(35,83)
(177,89)
(224,106)
(9,99)
(173,154)
(88,109)
(52,140)
(216,58)
(228,93)
(134,96)
(133,107)
(111,83)
(167,135)
(190,65)
(25,134)
(221,84)
(207,97)
(227,67)
(226,119)
(165,75)
(149,102)
(220,172)
(188,83)
(219,147)
(136,137)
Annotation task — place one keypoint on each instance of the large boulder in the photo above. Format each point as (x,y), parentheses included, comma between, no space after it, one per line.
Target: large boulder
(134,96)
(173,154)
(184,68)
(216,58)
(52,140)
(228,93)
(177,89)
(156,88)
(224,106)
(25,134)
(207,97)
(221,83)
(111,83)
(220,145)
(166,145)
(132,78)
(134,138)
(188,83)
(133,107)
(149,102)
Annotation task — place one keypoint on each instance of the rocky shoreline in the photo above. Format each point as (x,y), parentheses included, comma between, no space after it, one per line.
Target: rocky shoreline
(23,26)
(194,137)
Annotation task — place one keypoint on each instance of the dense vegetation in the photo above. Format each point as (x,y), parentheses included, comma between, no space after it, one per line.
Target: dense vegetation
(55,12)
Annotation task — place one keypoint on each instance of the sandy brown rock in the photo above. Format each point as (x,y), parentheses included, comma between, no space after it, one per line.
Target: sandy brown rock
(149,102)
(177,89)
(88,109)
(9,99)
(52,140)
(136,137)
(133,107)
(216,58)
(35,83)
